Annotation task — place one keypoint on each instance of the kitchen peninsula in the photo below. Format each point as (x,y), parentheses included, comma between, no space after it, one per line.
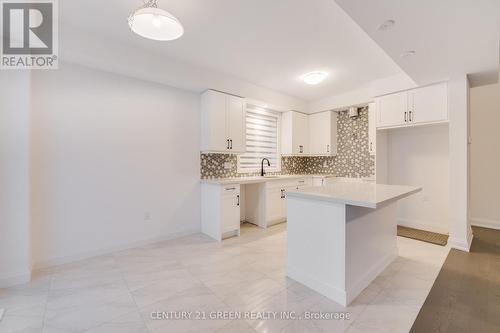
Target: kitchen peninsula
(342,235)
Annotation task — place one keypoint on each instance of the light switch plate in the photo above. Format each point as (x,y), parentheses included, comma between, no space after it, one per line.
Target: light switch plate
(228,165)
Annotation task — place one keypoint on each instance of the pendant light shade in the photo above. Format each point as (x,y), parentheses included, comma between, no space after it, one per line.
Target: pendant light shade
(154,23)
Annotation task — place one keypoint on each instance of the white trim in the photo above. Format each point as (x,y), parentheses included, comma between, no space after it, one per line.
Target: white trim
(365,280)
(330,291)
(421,225)
(343,297)
(485,223)
(12,279)
(462,245)
(90,254)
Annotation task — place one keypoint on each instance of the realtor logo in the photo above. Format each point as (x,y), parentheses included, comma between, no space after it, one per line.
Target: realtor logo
(29,34)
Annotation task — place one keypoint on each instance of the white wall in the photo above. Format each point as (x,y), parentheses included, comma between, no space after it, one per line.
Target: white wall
(81,47)
(15,258)
(485,156)
(458,104)
(419,156)
(106,149)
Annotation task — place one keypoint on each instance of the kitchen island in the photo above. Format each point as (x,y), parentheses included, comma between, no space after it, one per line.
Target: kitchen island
(342,236)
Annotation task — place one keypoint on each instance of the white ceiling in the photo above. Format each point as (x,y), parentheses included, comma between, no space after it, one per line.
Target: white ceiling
(450,37)
(266,42)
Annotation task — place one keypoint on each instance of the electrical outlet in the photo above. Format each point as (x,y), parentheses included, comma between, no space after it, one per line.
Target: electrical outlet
(147,216)
(228,165)
(325,164)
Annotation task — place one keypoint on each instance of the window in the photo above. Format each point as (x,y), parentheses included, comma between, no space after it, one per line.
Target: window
(262,140)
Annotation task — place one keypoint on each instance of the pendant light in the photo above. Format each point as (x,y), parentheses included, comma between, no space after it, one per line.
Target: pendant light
(151,22)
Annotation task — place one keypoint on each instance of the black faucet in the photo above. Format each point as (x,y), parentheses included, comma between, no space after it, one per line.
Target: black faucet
(262,173)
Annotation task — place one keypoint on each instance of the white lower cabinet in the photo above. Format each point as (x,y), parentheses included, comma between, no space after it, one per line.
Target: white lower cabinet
(265,204)
(275,202)
(220,210)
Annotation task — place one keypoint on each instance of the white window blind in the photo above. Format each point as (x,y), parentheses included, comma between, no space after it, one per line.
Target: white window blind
(262,140)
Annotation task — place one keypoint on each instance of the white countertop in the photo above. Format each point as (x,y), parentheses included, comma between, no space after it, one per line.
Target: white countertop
(363,194)
(255,179)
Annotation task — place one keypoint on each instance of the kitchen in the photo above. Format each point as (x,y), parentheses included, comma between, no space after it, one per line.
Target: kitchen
(305,150)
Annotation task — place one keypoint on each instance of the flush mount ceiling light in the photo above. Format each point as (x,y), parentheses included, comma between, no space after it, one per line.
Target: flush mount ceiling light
(151,22)
(313,78)
(388,24)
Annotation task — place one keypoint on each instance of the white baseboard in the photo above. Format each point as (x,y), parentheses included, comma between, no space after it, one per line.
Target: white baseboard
(86,255)
(12,279)
(337,294)
(421,225)
(332,292)
(462,244)
(485,223)
(370,275)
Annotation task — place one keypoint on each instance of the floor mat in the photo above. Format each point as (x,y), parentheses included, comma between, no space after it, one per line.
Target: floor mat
(422,235)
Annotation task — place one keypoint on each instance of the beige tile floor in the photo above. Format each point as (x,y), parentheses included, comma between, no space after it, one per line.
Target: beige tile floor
(118,292)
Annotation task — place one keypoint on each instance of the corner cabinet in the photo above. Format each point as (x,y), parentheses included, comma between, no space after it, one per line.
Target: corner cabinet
(426,105)
(294,133)
(223,123)
(323,133)
(220,210)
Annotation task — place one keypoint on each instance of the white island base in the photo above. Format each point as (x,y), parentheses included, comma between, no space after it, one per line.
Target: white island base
(338,245)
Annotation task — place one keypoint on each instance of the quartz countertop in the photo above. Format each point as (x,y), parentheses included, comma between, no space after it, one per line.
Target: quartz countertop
(256,179)
(363,194)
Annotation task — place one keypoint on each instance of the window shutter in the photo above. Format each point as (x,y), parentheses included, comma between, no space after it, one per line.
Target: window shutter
(262,139)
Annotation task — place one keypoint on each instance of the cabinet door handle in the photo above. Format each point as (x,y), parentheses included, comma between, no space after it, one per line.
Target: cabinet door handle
(371,146)
(327,148)
(301,149)
(406,117)
(282,193)
(231,141)
(230,188)
(238,198)
(410,116)
(227,143)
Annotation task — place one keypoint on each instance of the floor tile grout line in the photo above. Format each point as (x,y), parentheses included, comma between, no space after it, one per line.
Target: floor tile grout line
(122,274)
(47,300)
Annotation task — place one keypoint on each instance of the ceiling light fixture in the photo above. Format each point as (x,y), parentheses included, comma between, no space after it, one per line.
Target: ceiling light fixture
(388,24)
(408,54)
(151,22)
(314,77)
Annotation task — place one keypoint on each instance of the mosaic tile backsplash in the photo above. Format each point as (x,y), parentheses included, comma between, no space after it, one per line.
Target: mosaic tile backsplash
(353,158)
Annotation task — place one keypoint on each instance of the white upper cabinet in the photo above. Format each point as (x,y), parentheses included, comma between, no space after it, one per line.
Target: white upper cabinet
(428,104)
(236,124)
(323,133)
(424,105)
(372,128)
(223,123)
(294,133)
(392,110)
